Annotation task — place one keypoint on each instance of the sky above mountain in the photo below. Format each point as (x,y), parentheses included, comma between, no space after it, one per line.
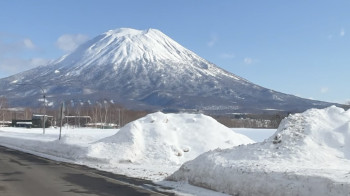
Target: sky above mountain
(296,47)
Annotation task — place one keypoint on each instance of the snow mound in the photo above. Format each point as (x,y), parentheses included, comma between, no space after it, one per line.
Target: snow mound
(316,136)
(165,139)
(308,155)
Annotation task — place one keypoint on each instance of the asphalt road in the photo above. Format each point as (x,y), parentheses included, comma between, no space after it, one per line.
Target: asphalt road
(22,174)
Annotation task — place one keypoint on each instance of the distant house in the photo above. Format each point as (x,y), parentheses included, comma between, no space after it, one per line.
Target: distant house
(37,120)
(22,123)
(77,121)
(5,123)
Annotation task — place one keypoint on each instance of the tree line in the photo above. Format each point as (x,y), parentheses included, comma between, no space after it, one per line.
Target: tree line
(269,121)
(101,112)
(106,112)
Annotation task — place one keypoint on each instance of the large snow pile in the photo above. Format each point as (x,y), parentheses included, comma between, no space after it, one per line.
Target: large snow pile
(308,155)
(165,139)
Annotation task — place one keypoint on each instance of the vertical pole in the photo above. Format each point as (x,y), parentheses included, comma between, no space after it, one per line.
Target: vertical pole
(61,119)
(119,119)
(44,118)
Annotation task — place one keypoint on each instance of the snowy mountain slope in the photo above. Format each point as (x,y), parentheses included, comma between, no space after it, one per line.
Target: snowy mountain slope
(147,69)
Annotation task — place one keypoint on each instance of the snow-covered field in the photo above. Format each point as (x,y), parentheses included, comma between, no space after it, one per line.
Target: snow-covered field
(152,147)
(308,155)
(258,135)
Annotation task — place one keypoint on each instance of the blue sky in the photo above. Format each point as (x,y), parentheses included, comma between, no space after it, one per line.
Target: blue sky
(297,47)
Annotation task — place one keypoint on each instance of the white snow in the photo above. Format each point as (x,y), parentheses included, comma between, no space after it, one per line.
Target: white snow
(308,155)
(169,139)
(152,147)
(127,45)
(126,49)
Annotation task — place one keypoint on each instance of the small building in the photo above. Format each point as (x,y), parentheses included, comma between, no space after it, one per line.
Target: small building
(37,120)
(22,123)
(77,121)
(5,123)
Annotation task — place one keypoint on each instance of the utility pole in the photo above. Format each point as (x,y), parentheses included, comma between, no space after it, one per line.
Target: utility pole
(44,96)
(61,119)
(119,119)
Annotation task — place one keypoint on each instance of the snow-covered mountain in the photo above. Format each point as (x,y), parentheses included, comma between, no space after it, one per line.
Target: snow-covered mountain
(145,70)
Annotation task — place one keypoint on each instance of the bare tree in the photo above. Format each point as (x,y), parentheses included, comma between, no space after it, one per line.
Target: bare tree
(106,107)
(27,114)
(101,113)
(3,107)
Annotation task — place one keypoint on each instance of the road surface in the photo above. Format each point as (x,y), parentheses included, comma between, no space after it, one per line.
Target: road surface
(22,174)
